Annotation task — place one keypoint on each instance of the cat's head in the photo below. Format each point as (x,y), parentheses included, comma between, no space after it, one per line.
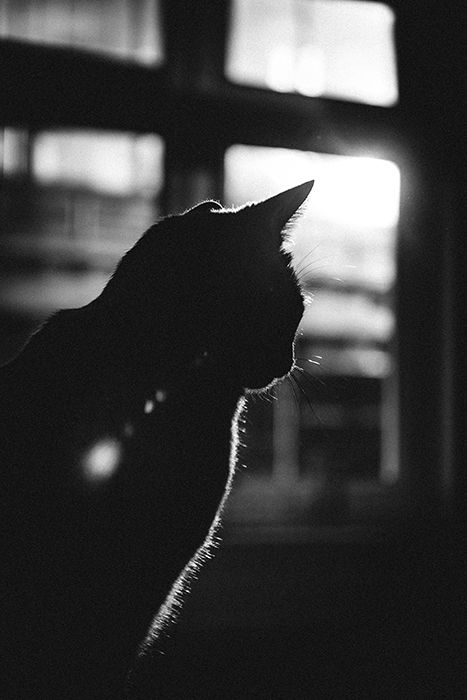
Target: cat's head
(259,298)
(222,287)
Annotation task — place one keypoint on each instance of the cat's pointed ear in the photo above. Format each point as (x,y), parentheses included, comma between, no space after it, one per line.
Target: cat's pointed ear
(207,206)
(281,208)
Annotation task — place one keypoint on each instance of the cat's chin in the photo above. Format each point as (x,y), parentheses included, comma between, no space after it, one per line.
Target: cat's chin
(250,389)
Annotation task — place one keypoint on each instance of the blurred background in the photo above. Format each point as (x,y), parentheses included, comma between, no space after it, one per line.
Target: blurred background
(349,519)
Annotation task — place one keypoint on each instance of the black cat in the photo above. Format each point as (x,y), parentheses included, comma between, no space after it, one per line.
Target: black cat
(118,441)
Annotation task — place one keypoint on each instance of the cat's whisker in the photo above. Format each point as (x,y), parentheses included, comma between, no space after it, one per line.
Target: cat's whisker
(323,258)
(312,266)
(306,256)
(310,252)
(266,396)
(292,382)
(304,277)
(307,398)
(312,378)
(326,259)
(303,371)
(271,392)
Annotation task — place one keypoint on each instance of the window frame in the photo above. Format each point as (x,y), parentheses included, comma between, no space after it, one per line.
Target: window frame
(188,102)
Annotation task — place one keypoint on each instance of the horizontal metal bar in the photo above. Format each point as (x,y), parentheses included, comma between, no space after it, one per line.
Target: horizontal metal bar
(45,87)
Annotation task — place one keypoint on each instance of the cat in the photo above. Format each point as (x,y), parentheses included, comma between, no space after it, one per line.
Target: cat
(118,441)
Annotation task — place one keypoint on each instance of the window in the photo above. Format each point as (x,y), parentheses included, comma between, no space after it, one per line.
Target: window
(330,424)
(98,186)
(125,28)
(236,100)
(87,184)
(105,162)
(329,443)
(92,192)
(341,49)
(73,201)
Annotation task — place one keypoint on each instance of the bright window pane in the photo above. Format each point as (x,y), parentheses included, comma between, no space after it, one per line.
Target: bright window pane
(95,190)
(92,196)
(340,425)
(96,185)
(347,233)
(112,163)
(124,28)
(334,48)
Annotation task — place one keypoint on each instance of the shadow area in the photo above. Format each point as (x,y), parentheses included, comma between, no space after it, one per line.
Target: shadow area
(384,618)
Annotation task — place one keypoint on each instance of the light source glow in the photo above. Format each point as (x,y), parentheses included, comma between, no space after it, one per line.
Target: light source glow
(149,406)
(347,230)
(102,460)
(161,395)
(364,191)
(352,191)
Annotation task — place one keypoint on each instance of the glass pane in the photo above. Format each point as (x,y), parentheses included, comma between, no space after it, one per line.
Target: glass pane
(346,234)
(107,162)
(14,151)
(96,185)
(335,425)
(90,197)
(334,48)
(124,28)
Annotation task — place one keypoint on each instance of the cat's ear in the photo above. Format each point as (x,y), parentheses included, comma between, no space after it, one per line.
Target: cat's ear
(281,208)
(207,206)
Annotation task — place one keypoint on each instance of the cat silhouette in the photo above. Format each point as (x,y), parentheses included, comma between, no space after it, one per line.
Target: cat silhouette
(118,441)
